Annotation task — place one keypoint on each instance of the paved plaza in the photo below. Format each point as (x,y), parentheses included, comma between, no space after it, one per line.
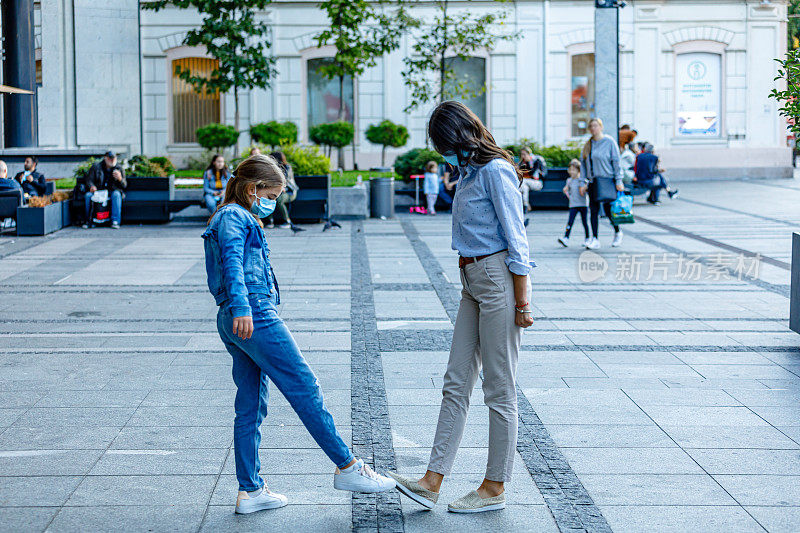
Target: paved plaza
(658,387)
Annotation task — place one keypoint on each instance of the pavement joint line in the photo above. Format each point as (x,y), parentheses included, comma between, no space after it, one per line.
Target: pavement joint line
(567,499)
(713,242)
(738,212)
(371,425)
(782,290)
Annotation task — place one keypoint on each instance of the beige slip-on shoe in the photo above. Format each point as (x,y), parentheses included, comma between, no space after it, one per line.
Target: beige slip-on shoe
(473,503)
(413,490)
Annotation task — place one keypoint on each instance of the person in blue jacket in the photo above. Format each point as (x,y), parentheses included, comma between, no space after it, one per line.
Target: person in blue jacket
(215,179)
(244,287)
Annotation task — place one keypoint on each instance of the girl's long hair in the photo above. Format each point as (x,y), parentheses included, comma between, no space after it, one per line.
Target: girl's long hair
(259,170)
(454,128)
(210,166)
(588,146)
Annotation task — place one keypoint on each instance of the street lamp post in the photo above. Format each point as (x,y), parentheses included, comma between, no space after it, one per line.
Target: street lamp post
(606,63)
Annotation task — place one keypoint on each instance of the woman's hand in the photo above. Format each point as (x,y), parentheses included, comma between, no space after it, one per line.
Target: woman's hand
(524,320)
(620,187)
(243,327)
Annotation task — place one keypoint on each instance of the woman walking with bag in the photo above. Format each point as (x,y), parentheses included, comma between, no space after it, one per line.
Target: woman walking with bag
(600,167)
(241,279)
(489,235)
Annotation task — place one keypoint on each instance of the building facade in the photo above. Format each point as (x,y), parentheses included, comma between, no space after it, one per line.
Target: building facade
(695,80)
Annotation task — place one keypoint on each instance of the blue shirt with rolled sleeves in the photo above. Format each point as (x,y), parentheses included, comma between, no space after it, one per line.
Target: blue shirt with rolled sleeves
(487,215)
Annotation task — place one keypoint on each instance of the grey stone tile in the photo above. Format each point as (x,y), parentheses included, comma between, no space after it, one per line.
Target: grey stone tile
(587,414)
(291,519)
(10,399)
(577,397)
(158,462)
(415,414)
(609,436)
(9,416)
(421,436)
(767,397)
(278,461)
(748,461)
(647,371)
(91,398)
(138,518)
(78,416)
(468,461)
(142,490)
(655,489)
(766,437)
(191,398)
(615,383)
(630,461)
(675,415)
(513,518)
(743,372)
(58,437)
(777,519)
(285,437)
(683,396)
(183,416)
(47,462)
(771,490)
(26,518)
(172,437)
(666,519)
(780,415)
(45,491)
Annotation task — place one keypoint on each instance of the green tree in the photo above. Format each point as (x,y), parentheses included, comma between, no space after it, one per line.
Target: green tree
(447,39)
(274,133)
(387,133)
(231,34)
(789,98)
(217,136)
(361,31)
(332,134)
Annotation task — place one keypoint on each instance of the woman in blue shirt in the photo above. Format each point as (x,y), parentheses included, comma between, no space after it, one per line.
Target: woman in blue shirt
(244,287)
(489,235)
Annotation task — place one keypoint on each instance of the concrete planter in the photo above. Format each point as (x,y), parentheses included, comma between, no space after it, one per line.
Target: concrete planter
(794,305)
(40,220)
(147,199)
(350,202)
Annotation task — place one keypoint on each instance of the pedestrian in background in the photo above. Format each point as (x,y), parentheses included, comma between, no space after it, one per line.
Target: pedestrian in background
(431,185)
(576,191)
(533,168)
(489,235)
(215,180)
(627,160)
(244,287)
(650,175)
(600,161)
(289,195)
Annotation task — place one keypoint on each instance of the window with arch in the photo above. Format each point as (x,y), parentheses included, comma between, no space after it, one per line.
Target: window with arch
(582,92)
(323,98)
(470,74)
(190,109)
(698,94)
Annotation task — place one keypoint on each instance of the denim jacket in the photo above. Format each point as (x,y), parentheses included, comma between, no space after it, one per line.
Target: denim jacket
(237,260)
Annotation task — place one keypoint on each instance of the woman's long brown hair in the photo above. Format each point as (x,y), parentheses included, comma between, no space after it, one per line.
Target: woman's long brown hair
(454,128)
(259,170)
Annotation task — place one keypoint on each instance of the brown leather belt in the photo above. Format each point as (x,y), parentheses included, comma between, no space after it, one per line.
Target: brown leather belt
(464,261)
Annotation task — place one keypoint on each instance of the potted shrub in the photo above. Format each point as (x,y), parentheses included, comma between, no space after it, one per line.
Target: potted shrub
(387,133)
(43,214)
(274,134)
(311,171)
(216,137)
(333,135)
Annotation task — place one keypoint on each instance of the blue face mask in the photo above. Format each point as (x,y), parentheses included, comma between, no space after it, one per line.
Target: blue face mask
(452,159)
(262,207)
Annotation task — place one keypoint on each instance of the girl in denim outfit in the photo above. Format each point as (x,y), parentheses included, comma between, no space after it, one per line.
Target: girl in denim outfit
(243,284)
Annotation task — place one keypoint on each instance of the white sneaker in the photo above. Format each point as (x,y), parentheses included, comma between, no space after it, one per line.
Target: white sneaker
(617,239)
(246,504)
(563,242)
(586,242)
(359,477)
(594,244)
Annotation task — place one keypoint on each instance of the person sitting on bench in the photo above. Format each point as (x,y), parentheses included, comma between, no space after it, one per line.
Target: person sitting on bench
(31,181)
(106,174)
(215,180)
(7,186)
(649,174)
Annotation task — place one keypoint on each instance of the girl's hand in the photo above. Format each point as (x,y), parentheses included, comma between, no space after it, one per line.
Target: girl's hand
(524,320)
(243,327)
(582,190)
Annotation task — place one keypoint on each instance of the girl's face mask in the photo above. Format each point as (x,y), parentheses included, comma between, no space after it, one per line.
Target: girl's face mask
(452,158)
(262,207)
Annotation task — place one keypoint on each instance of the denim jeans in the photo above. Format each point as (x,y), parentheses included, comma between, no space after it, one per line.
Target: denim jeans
(211,202)
(272,354)
(116,206)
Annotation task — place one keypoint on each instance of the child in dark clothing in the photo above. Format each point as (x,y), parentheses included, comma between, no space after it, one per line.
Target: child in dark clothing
(575,190)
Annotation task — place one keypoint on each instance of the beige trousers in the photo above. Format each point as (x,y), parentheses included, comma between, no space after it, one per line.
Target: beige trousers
(485,335)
